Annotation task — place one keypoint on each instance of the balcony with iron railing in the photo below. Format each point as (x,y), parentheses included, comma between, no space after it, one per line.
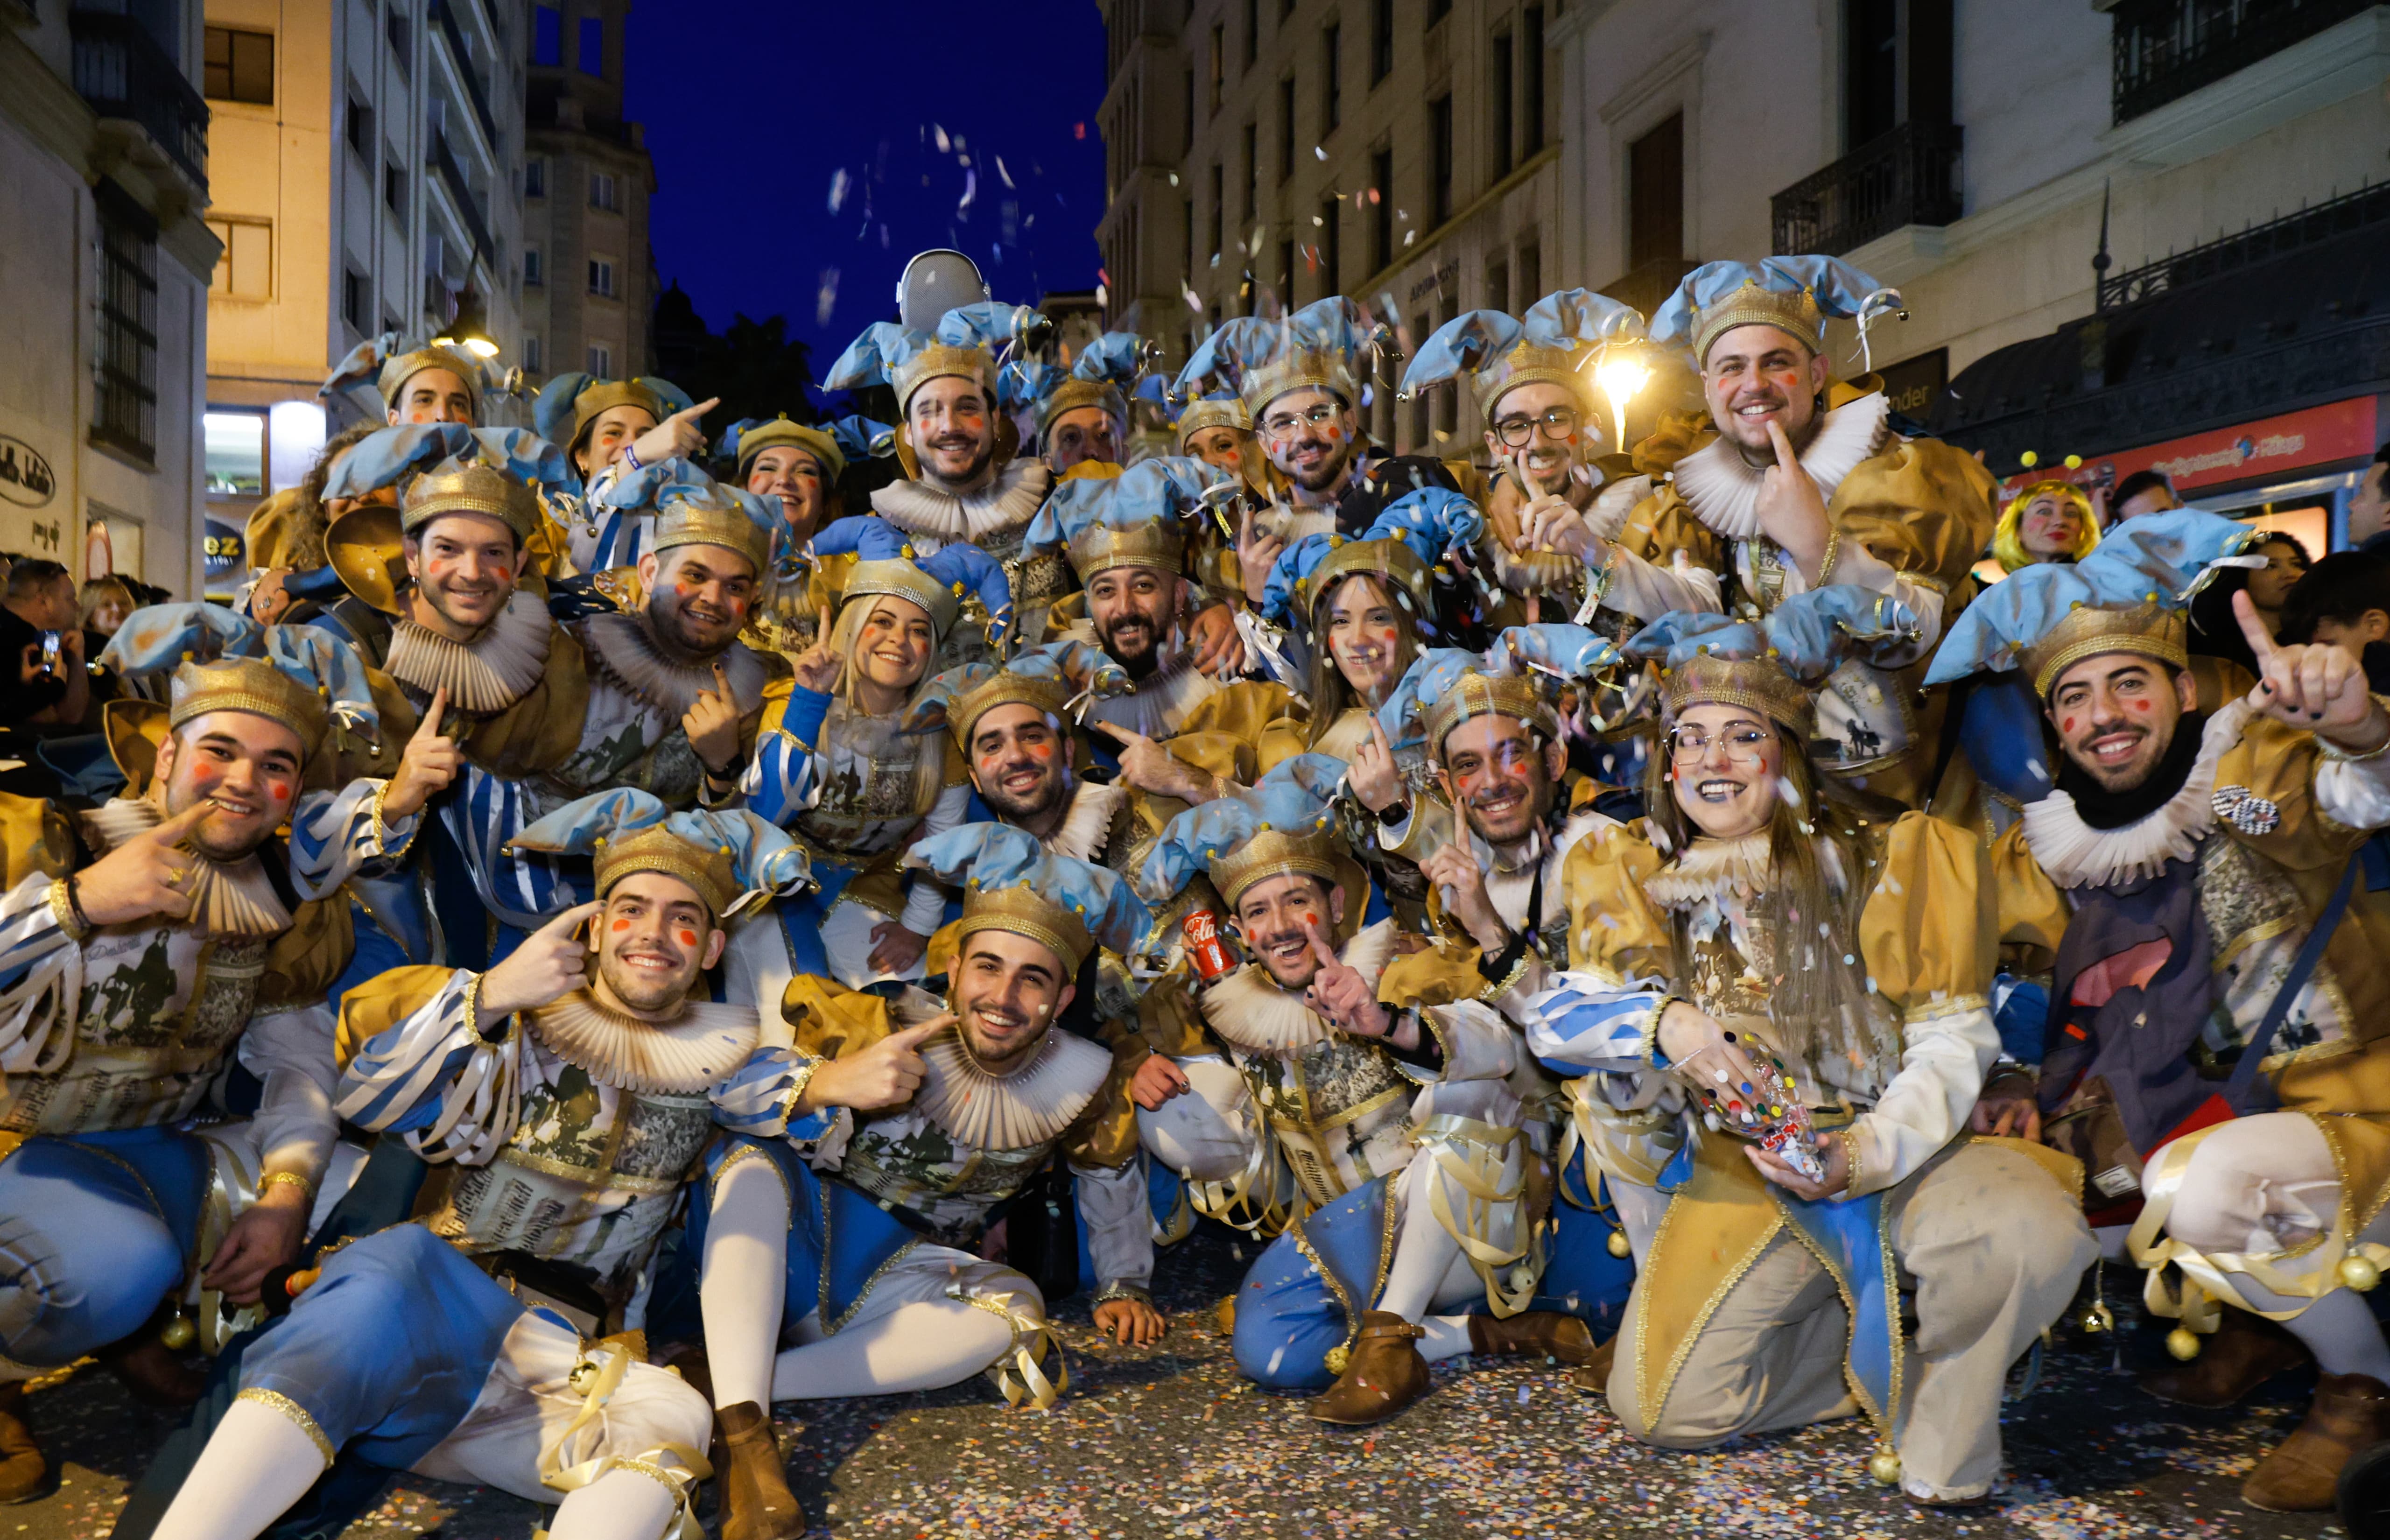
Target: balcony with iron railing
(2164,49)
(122,71)
(2253,244)
(1908,177)
(462,57)
(460,193)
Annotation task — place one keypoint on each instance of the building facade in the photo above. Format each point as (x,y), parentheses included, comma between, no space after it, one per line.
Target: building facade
(368,158)
(2148,226)
(589,286)
(1261,154)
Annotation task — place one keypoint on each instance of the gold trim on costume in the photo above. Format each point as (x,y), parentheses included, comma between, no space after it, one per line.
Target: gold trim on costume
(297,1414)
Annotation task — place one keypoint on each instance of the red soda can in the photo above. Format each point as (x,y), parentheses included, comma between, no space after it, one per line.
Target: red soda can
(1209,953)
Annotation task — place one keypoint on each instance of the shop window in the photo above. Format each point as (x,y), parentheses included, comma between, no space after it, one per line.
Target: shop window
(235,454)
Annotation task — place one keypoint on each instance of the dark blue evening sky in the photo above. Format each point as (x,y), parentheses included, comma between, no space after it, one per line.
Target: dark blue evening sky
(756,109)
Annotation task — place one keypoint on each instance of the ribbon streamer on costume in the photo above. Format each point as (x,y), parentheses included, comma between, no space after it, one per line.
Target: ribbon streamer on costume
(1477,1170)
(603,1367)
(1230,1202)
(1032,1339)
(2206,1278)
(232,1188)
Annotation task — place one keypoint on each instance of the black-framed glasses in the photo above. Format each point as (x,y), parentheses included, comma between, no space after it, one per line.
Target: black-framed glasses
(1561,422)
(1284,424)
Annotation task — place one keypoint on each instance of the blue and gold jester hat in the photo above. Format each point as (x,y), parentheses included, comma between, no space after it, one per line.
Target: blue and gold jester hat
(1795,295)
(1011,882)
(1132,520)
(1319,347)
(301,676)
(372,376)
(504,473)
(1059,678)
(1105,374)
(1770,666)
(569,403)
(743,440)
(1285,823)
(1432,674)
(733,858)
(707,512)
(1556,342)
(1403,546)
(885,563)
(972,341)
(2127,595)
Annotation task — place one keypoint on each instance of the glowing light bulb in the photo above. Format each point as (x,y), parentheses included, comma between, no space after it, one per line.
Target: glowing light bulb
(1621,374)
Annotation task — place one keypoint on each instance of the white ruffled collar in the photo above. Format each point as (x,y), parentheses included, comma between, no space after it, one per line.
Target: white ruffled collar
(228,898)
(1723,488)
(694,1052)
(1003,507)
(624,650)
(1252,1013)
(1030,1105)
(482,676)
(1087,824)
(2076,856)
(1741,865)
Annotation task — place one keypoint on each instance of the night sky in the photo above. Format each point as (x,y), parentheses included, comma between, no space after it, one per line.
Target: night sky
(760,113)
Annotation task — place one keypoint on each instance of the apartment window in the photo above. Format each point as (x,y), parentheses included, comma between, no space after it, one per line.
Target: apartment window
(356,299)
(531,356)
(1531,67)
(535,176)
(1253,172)
(1219,68)
(393,189)
(1439,159)
(1331,245)
(1497,285)
(1531,269)
(547,36)
(1382,208)
(1332,77)
(124,414)
(1382,40)
(534,273)
(361,134)
(395,28)
(1285,128)
(600,361)
(590,56)
(605,191)
(1219,210)
(601,279)
(245,271)
(238,65)
(1252,32)
(1503,89)
(1655,195)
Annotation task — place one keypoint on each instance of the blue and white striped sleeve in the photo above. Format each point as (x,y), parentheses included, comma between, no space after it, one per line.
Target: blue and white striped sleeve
(784,779)
(759,1097)
(41,979)
(334,835)
(434,1077)
(1583,1025)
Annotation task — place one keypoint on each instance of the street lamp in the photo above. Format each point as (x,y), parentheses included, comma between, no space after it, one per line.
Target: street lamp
(1621,374)
(470,331)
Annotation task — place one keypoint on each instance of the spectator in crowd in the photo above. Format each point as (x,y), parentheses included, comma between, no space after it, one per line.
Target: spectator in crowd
(2143,491)
(2369,508)
(42,595)
(2344,602)
(106,601)
(2214,632)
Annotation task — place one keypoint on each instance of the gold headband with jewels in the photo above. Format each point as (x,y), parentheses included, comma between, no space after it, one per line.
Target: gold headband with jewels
(1275,853)
(1100,547)
(782,433)
(939,361)
(699,521)
(1474,694)
(1529,364)
(707,872)
(2088,631)
(407,365)
(900,579)
(1227,412)
(1049,695)
(1072,394)
(1796,313)
(1302,369)
(606,395)
(473,488)
(254,685)
(1390,559)
(1754,683)
(1026,912)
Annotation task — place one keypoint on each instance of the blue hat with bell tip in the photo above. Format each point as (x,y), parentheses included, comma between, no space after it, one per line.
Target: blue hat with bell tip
(569,403)
(1432,674)
(1767,666)
(1103,376)
(388,457)
(1403,544)
(1285,824)
(372,376)
(1556,341)
(1319,347)
(887,563)
(1131,519)
(301,676)
(1013,882)
(1055,677)
(731,858)
(1795,295)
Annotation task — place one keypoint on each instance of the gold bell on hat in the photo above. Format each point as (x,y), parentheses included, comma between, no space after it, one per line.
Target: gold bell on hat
(1619,1245)
(179,1333)
(1884,1465)
(2096,1319)
(2184,1343)
(2360,1273)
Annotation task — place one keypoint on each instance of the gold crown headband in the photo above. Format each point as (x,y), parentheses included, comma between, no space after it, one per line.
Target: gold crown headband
(1229,412)
(407,365)
(1024,911)
(2087,630)
(1474,694)
(1275,853)
(1051,696)
(707,872)
(1075,393)
(698,521)
(473,488)
(1529,364)
(1100,547)
(1390,559)
(1302,369)
(938,361)
(254,685)
(1754,683)
(607,394)
(1752,304)
(900,579)
(782,433)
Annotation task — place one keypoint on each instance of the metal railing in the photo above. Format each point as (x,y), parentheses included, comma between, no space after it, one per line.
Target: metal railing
(1908,177)
(463,59)
(2166,49)
(121,71)
(460,192)
(2253,244)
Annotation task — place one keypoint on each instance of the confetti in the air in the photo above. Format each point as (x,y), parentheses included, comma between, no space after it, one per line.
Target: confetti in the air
(838,183)
(826,297)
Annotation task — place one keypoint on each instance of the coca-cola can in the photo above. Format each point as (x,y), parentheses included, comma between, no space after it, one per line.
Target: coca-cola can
(1204,947)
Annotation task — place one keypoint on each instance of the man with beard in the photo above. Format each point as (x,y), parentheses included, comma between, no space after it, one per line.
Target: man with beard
(2191,883)
(1398,1124)
(1792,496)
(172,915)
(479,1344)
(844,1263)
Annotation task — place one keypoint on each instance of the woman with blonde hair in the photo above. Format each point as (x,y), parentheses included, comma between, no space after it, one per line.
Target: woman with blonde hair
(2050,521)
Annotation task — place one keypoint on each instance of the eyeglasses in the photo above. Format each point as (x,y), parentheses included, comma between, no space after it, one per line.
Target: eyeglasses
(1744,745)
(1284,425)
(1558,423)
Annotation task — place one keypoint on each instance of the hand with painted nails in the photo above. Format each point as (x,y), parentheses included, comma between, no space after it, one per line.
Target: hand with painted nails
(2318,687)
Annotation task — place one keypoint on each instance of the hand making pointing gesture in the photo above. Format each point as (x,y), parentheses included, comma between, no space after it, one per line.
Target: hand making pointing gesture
(430,763)
(2318,687)
(712,723)
(143,876)
(552,962)
(678,436)
(885,1074)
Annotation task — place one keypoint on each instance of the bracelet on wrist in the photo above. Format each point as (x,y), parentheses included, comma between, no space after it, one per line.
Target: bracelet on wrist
(64,909)
(1114,1291)
(288,1179)
(631,454)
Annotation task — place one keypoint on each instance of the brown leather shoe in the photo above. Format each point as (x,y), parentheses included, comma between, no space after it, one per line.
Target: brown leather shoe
(1594,1373)
(2350,1412)
(1386,1374)
(24,1474)
(152,1373)
(756,1502)
(2243,1354)
(1536,1333)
